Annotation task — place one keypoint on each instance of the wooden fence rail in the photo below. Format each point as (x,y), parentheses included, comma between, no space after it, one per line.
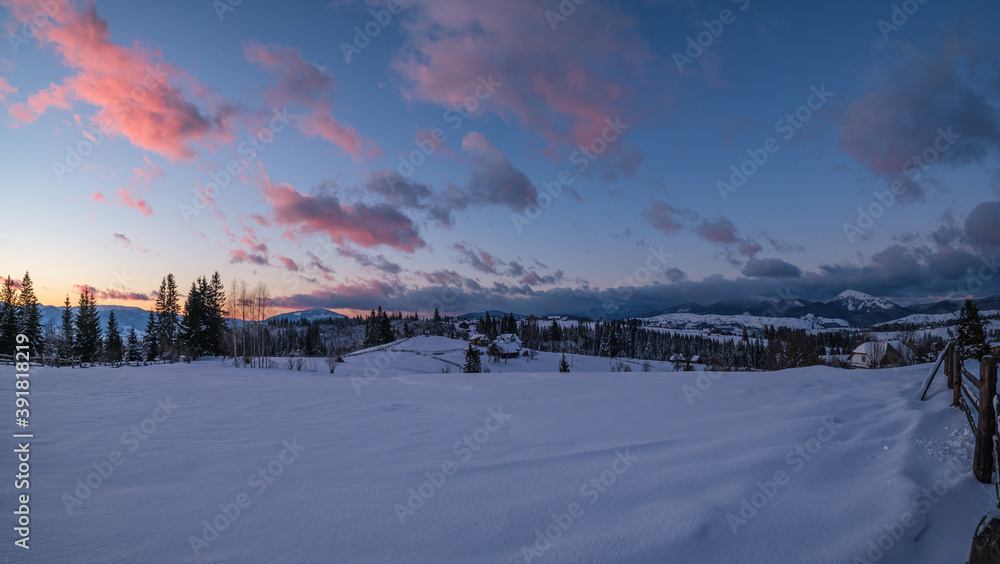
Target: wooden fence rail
(986,427)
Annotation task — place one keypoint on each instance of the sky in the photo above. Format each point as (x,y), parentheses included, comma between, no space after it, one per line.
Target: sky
(537,157)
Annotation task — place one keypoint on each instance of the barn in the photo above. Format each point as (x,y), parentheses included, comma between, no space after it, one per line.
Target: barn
(504,350)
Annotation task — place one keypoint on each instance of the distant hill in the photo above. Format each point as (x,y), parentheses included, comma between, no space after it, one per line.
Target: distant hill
(127,316)
(308,315)
(493,313)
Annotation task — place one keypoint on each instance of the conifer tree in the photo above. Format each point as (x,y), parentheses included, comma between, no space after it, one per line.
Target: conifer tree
(66,340)
(971,339)
(215,315)
(30,316)
(190,327)
(555,332)
(88,328)
(113,340)
(150,343)
(385,332)
(473,363)
(563,365)
(167,311)
(8,316)
(133,352)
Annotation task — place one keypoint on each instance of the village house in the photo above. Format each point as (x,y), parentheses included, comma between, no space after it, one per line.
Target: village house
(881,354)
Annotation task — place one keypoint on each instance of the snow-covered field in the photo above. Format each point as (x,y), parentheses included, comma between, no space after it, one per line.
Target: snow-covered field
(698,320)
(390,460)
(935,318)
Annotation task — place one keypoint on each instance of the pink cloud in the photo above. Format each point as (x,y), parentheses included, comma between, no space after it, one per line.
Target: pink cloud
(135,93)
(129,199)
(561,83)
(289,263)
(111,294)
(5,90)
(362,224)
(239,255)
(303,83)
(98,197)
(143,176)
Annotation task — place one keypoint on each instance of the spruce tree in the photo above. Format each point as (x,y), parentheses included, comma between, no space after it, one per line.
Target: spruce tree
(215,315)
(473,363)
(67,342)
(971,338)
(133,352)
(8,317)
(88,328)
(555,332)
(196,328)
(563,365)
(167,311)
(370,338)
(30,318)
(150,342)
(113,346)
(385,332)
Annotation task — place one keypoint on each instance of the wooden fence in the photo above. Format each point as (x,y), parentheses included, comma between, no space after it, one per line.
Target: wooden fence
(977,397)
(982,410)
(74,362)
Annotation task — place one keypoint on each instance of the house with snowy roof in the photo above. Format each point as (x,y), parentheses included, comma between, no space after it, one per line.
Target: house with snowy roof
(881,354)
(510,338)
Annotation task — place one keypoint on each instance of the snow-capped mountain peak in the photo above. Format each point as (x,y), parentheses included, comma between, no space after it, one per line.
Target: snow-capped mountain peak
(852,300)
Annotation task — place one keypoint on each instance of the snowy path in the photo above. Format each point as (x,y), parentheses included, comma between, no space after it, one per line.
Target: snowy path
(617,467)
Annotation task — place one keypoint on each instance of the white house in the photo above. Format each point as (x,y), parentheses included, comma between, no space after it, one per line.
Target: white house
(881,354)
(510,338)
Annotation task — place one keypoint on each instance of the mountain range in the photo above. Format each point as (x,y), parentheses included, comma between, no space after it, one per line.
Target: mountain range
(857,308)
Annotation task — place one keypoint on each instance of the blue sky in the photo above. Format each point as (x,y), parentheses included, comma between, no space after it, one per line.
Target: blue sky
(325,217)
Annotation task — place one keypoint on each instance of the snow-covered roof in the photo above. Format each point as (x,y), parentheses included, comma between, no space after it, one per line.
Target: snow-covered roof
(506,347)
(874,351)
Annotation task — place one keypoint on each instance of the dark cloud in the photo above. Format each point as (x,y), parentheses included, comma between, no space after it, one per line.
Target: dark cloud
(667,218)
(366,225)
(918,94)
(982,227)
(377,262)
(770,268)
(237,256)
(494,179)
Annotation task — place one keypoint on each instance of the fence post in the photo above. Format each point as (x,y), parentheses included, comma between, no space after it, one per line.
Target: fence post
(956,371)
(947,367)
(982,461)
